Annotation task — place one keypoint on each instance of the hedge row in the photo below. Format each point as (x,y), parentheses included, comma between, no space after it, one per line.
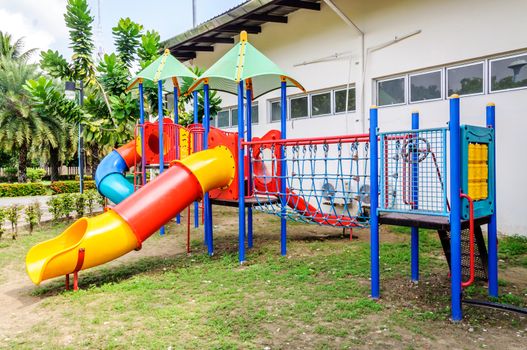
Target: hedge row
(59,187)
(38,189)
(20,190)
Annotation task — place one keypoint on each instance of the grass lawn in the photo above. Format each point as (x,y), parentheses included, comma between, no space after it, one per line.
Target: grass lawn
(314,298)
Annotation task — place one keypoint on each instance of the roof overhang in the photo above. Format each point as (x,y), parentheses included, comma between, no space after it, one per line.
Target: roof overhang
(222,29)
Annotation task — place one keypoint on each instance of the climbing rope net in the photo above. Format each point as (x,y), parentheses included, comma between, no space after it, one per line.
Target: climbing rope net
(326,179)
(413,171)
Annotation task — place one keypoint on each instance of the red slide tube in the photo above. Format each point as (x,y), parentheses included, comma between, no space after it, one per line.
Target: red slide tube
(161,200)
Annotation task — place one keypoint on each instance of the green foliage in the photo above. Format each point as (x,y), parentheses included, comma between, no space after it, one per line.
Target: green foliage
(13,215)
(59,187)
(79,22)
(127,34)
(114,74)
(79,203)
(3,215)
(92,199)
(68,203)
(148,50)
(35,174)
(55,207)
(11,173)
(13,49)
(33,214)
(56,65)
(22,190)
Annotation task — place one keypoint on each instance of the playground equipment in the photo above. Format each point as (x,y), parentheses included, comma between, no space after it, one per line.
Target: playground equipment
(439,178)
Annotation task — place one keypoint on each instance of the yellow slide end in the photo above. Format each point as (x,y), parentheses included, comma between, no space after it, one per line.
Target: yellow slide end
(104,237)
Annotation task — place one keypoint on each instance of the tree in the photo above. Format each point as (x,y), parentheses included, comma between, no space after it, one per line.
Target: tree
(13,50)
(19,126)
(50,104)
(127,34)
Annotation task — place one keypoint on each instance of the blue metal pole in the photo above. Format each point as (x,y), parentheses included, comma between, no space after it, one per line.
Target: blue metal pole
(176,121)
(206,200)
(160,128)
(374,204)
(455,209)
(283,167)
(195,144)
(415,198)
(241,177)
(249,98)
(142,122)
(492,227)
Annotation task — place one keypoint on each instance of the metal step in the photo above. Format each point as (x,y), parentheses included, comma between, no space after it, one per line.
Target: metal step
(480,253)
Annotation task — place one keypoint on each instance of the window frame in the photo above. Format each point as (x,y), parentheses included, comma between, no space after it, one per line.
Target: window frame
(484,87)
(228,110)
(409,87)
(289,105)
(310,103)
(378,81)
(270,108)
(489,73)
(334,104)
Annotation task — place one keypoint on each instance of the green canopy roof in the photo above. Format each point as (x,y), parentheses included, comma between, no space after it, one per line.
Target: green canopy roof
(244,63)
(166,67)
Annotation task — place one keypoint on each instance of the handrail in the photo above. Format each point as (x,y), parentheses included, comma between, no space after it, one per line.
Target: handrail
(471,240)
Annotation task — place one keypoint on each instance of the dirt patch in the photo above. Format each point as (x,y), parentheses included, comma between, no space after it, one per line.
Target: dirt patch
(20,305)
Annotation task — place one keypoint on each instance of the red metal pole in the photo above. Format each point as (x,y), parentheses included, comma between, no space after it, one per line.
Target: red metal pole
(188,230)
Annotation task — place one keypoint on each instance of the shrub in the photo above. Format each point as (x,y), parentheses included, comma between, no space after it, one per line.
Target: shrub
(32,217)
(13,214)
(86,178)
(2,219)
(19,190)
(68,201)
(55,207)
(79,203)
(11,173)
(59,187)
(35,174)
(91,200)
(38,211)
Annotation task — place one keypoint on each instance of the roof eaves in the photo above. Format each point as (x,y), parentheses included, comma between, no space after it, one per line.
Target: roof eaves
(218,21)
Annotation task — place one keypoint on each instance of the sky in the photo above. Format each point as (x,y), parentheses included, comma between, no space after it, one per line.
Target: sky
(41,22)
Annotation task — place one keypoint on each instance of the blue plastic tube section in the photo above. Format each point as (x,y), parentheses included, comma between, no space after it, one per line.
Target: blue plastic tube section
(110,180)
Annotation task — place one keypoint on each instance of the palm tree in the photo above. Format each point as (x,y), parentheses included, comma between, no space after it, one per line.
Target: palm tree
(20,126)
(14,50)
(58,113)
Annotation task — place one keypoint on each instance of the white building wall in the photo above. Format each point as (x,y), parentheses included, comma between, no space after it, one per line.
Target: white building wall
(451,32)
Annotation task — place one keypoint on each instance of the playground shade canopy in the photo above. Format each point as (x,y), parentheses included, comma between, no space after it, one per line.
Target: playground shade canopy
(244,62)
(165,67)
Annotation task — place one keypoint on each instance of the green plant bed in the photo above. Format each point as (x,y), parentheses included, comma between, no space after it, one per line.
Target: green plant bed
(59,187)
(22,189)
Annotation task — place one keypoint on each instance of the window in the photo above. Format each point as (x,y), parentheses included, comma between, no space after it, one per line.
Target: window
(391,92)
(340,100)
(234,117)
(222,119)
(254,114)
(299,107)
(465,80)
(425,86)
(275,111)
(508,73)
(321,104)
